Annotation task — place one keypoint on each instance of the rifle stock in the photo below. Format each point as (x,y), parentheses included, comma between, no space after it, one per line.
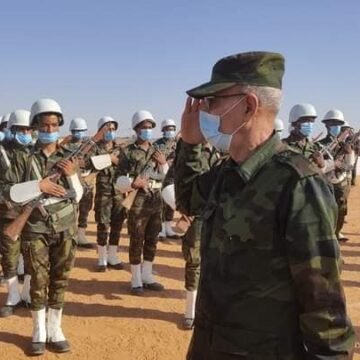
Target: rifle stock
(14,229)
(129,200)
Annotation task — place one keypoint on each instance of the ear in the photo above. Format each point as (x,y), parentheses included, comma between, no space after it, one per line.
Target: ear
(251,105)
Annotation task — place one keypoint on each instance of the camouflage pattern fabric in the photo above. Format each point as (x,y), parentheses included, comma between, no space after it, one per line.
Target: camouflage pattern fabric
(144,218)
(144,225)
(340,190)
(9,249)
(85,206)
(167,147)
(48,243)
(51,257)
(191,254)
(86,202)
(109,212)
(191,240)
(270,262)
(257,68)
(24,171)
(304,146)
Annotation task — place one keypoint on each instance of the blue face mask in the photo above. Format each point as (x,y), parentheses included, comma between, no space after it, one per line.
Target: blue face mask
(48,138)
(110,136)
(23,139)
(306,128)
(8,135)
(2,136)
(334,130)
(145,134)
(79,134)
(169,134)
(210,124)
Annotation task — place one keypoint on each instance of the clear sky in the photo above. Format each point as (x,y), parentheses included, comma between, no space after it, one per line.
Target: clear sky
(115,57)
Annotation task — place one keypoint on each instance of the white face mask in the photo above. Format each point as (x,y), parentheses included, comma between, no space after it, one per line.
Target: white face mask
(209,126)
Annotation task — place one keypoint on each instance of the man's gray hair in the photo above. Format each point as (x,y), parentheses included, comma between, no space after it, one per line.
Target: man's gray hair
(269,97)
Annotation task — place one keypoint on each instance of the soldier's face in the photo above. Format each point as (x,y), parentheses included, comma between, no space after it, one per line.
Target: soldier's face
(49,123)
(22,129)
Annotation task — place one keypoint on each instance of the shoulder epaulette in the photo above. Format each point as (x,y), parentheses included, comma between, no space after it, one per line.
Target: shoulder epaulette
(303,166)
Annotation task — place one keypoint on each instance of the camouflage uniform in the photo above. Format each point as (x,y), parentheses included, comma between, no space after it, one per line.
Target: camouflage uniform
(191,239)
(341,188)
(302,145)
(48,243)
(167,147)
(354,170)
(10,250)
(109,212)
(144,219)
(269,284)
(86,202)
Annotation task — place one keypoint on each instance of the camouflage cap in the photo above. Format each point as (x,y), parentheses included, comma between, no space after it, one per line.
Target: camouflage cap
(258,68)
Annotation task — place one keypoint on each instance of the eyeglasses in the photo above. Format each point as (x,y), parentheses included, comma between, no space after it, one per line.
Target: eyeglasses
(209,100)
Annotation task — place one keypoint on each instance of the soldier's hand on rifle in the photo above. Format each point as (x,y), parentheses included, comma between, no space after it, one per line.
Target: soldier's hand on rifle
(140,183)
(115,158)
(347,149)
(67,167)
(47,186)
(338,164)
(318,159)
(159,157)
(81,162)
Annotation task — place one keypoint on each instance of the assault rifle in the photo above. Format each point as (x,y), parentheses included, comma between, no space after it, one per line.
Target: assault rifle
(146,171)
(329,148)
(14,229)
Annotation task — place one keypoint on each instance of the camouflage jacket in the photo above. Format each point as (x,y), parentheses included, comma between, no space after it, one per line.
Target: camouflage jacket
(303,146)
(270,280)
(139,162)
(106,179)
(7,154)
(36,166)
(209,157)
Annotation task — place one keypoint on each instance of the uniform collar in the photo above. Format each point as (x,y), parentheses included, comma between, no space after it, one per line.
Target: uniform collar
(256,161)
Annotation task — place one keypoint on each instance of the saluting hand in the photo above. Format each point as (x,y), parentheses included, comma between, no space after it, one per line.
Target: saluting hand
(47,186)
(190,125)
(67,167)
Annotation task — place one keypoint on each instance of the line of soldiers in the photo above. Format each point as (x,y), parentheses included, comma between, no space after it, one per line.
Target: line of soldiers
(135,182)
(30,150)
(336,154)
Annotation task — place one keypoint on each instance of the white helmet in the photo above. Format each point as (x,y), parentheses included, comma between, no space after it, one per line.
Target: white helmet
(346,125)
(5,119)
(19,118)
(301,110)
(279,125)
(334,115)
(107,119)
(167,122)
(141,116)
(43,106)
(78,124)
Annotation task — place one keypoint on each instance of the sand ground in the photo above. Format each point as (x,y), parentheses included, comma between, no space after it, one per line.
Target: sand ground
(103,321)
